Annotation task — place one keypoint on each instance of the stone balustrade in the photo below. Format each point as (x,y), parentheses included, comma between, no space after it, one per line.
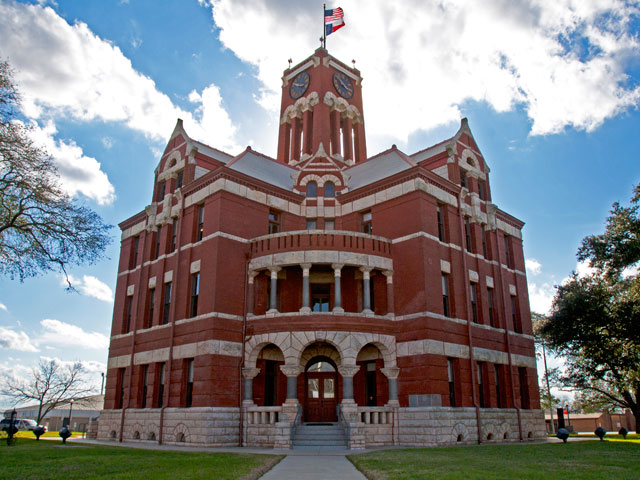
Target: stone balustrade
(263,415)
(376,415)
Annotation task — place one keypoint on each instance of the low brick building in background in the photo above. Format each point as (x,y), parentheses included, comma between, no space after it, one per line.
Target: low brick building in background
(385,295)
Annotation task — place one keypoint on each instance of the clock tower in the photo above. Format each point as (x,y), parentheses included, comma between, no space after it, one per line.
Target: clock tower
(321,112)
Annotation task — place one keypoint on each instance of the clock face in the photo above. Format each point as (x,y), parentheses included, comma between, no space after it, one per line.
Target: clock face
(299,85)
(343,85)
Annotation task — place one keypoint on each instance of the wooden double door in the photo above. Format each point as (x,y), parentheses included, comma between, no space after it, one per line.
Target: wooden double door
(321,397)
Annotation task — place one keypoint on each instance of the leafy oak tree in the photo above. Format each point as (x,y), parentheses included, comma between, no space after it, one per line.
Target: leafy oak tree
(41,228)
(595,319)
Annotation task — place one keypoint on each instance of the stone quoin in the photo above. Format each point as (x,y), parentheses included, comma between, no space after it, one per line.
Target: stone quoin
(383,294)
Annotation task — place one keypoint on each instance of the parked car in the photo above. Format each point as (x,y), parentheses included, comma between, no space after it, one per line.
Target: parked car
(20,423)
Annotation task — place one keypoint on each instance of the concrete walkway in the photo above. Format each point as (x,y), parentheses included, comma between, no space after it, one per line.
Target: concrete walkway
(314,465)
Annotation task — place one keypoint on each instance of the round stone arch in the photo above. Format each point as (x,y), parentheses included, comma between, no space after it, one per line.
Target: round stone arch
(469,161)
(308,178)
(384,343)
(329,178)
(306,339)
(172,161)
(320,349)
(255,345)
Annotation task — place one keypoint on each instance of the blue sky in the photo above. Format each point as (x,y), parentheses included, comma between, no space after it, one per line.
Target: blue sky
(551,90)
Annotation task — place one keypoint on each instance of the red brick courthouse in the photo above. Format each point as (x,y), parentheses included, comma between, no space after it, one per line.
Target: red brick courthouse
(385,295)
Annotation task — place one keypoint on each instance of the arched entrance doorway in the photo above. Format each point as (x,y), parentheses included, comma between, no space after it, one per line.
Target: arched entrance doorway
(321,390)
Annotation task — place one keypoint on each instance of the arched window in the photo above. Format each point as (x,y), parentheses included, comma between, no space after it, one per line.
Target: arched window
(329,190)
(312,189)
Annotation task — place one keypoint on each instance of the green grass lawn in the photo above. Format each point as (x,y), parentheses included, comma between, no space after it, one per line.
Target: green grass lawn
(48,459)
(616,459)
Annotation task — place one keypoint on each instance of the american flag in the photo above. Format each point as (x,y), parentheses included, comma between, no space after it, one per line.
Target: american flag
(333,20)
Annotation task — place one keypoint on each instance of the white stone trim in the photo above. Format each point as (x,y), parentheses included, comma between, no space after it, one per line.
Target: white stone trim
(134,230)
(347,344)
(119,362)
(131,290)
(152,282)
(168,276)
(320,256)
(473,276)
(489,281)
(512,290)
(445,266)
(195,267)
(447,349)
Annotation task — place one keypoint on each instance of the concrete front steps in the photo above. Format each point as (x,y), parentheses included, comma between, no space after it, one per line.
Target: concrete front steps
(325,436)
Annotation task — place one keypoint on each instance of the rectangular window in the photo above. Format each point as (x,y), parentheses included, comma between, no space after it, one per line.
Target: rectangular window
(189,383)
(320,297)
(330,224)
(481,189)
(167,303)
(515,315)
(121,377)
(136,247)
(492,320)
(179,179)
(498,373)
(441,231)
(524,388)
(145,384)
(174,234)
(160,396)
(195,291)
(126,327)
(156,250)
(445,295)
(200,231)
(507,251)
(463,178)
(274,222)
(452,382)
(474,302)
(152,304)
(161,191)
(485,252)
(481,399)
(312,224)
(365,222)
(467,235)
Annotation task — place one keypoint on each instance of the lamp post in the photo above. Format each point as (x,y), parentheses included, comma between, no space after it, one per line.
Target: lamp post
(70,409)
(566,407)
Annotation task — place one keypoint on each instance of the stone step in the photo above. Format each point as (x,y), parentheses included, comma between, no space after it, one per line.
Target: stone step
(319,441)
(324,437)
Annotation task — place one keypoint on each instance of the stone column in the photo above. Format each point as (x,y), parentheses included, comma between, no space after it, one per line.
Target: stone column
(249,374)
(305,287)
(366,292)
(390,309)
(273,300)
(250,300)
(392,376)
(347,372)
(291,372)
(337,290)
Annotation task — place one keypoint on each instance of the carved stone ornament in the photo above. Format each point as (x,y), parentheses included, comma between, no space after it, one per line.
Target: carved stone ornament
(390,372)
(291,370)
(250,372)
(348,370)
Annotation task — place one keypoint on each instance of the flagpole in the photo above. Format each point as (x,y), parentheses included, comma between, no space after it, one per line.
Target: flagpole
(324,27)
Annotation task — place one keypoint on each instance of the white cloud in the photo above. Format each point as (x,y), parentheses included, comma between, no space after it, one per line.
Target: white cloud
(564,61)
(541,297)
(79,174)
(67,70)
(12,340)
(91,287)
(3,307)
(68,335)
(107,142)
(90,366)
(584,269)
(533,266)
